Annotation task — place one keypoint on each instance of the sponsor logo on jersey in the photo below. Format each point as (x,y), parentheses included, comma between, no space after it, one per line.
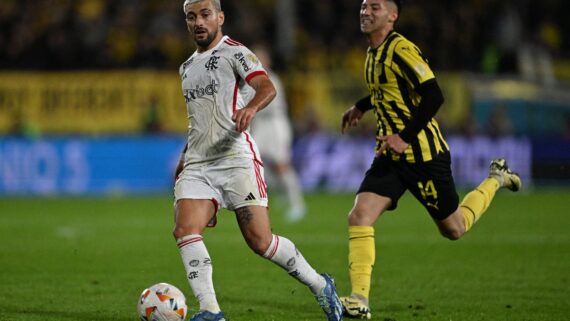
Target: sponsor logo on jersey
(198,92)
(241,58)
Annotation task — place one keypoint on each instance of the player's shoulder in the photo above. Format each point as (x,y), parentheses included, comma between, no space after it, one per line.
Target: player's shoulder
(185,64)
(231,46)
(232,43)
(404,45)
(239,53)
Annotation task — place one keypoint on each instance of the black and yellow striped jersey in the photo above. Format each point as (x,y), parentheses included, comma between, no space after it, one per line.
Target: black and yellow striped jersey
(393,73)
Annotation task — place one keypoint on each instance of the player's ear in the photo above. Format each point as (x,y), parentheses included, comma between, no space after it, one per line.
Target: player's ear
(393,16)
(393,9)
(221,18)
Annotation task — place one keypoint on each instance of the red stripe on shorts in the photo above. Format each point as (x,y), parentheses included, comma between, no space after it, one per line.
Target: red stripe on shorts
(256,162)
(263,192)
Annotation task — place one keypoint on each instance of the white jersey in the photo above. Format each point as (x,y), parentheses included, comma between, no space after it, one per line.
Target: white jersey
(214,85)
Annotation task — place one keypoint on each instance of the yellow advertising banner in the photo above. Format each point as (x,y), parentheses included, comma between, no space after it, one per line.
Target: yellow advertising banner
(132,102)
(92,102)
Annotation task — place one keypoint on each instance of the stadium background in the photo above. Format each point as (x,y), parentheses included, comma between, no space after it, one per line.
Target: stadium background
(92,121)
(81,80)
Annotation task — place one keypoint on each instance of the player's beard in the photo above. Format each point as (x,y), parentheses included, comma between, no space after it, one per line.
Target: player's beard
(204,43)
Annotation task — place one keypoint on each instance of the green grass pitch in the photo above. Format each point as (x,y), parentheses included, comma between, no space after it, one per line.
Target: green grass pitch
(88,259)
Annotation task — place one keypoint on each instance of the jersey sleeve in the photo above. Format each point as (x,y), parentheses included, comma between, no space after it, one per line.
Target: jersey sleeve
(246,64)
(411,63)
(181,70)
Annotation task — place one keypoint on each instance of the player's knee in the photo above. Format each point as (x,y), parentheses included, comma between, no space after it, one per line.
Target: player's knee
(258,245)
(179,232)
(453,226)
(453,234)
(358,216)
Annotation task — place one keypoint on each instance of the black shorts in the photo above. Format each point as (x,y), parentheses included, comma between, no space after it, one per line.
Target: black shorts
(431,183)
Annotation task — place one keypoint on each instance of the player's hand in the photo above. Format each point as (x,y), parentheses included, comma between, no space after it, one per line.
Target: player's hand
(243,118)
(391,143)
(350,118)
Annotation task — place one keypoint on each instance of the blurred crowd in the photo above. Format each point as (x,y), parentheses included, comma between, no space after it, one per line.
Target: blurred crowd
(474,35)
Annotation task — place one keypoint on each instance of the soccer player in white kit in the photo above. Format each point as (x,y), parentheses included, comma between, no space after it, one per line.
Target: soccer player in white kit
(273,135)
(224,86)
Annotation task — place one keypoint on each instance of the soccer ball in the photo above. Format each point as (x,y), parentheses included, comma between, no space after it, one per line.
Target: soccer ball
(162,302)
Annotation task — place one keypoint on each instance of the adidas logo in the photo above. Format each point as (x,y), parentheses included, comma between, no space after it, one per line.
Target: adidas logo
(250,197)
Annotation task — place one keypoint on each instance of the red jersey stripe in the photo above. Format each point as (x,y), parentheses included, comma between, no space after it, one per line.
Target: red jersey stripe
(229,43)
(254,74)
(248,139)
(236,43)
(234,102)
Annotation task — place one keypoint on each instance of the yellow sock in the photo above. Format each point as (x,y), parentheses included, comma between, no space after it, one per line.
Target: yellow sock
(361,256)
(476,202)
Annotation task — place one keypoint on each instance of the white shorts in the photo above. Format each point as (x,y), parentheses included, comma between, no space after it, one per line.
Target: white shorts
(230,183)
(273,138)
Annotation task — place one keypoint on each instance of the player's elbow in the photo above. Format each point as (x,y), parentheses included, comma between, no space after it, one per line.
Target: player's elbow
(439,99)
(431,95)
(271,93)
(435,96)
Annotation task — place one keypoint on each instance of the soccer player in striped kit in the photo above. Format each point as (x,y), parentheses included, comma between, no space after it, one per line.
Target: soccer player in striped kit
(411,153)
(224,86)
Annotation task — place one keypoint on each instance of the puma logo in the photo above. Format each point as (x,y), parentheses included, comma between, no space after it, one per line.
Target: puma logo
(433,205)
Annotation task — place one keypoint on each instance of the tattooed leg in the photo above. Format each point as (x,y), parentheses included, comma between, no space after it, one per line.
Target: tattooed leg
(244,216)
(254,224)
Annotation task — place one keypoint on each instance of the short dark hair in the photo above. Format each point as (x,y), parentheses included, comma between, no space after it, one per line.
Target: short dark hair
(398,4)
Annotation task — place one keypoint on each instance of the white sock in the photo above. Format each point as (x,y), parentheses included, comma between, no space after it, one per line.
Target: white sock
(199,270)
(283,252)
